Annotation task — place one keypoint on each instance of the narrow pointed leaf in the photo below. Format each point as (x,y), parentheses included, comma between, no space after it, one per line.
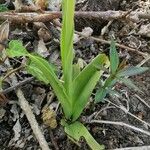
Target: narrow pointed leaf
(114,58)
(78,130)
(131,71)
(85,82)
(67,42)
(130,84)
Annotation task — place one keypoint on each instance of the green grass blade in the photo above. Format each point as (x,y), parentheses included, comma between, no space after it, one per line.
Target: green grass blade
(67,42)
(114,57)
(85,82)
(78,130)
(131,71)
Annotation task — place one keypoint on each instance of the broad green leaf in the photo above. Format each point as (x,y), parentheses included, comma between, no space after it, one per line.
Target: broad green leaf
(67,42)
(78,130)
(114,57)
(3,8)
(47,70)
(131,71)
(85,82)
(35,71)
(16,49)
(130,84)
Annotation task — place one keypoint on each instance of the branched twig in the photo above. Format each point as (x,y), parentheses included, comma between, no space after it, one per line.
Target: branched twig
(127,112)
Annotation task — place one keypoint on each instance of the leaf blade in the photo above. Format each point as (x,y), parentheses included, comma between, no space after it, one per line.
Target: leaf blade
(85,82)
(16,49)
(130,71)
(67,42)
(78,130)
(114,57)
(58,88)
(130,84)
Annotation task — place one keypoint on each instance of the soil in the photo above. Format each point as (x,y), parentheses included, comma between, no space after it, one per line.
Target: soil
(38,94)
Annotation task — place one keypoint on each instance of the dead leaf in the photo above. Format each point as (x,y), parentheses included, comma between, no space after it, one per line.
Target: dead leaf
(3,99)
(87,31)
(2,113)
(42,4)
(145,30)
(4,32)
(41,49)
(49,117)
(18,4)
(14,110)
(54,5)
(44,34)
(17,132)
(76,39)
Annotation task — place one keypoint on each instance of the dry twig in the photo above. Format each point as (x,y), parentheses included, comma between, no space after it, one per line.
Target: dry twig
(121,124)
(145,55)
(135,148)
(14,87)
(29,114)
(50,15)
(127,112)
(144,102)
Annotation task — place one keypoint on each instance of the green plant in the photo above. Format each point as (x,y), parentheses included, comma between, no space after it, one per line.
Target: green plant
(3,8)
(118,73)
(77,86)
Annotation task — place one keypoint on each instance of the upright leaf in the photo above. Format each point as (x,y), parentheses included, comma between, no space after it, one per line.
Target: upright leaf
(78,130)
(114,57)
(67,42)
(85,82)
